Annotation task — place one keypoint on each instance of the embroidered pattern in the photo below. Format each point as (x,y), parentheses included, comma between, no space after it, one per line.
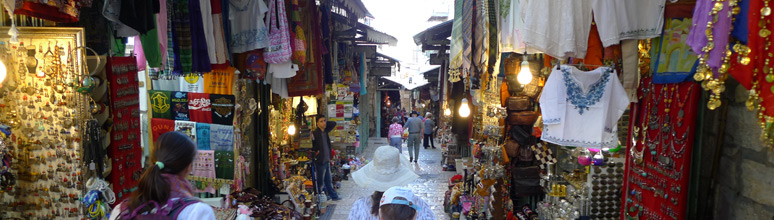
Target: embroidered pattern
(552,121)
(575,94)
(611,143)
(250,39)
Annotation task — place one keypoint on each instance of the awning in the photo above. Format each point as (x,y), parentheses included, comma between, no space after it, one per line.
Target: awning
(435,33)
(380,37)
(432,74)
(358,8)
(369,34)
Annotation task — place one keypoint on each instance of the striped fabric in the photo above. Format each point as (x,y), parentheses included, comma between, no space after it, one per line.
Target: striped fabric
(467,34)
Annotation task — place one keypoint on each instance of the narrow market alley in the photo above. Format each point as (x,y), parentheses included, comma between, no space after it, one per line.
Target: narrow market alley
(431,185)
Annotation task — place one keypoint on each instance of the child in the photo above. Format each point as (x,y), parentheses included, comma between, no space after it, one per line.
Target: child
(397,203)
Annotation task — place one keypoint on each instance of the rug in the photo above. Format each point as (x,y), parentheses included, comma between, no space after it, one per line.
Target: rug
(328,212)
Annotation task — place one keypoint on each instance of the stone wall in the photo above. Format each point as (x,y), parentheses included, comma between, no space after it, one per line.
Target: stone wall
(745,180)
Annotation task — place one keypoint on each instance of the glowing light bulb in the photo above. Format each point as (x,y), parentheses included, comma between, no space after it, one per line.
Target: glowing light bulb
(447,112)
(525,75)
(464,108)
(3,72)
(292,129)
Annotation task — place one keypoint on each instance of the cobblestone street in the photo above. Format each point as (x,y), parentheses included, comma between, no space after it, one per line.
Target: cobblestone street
(431,185)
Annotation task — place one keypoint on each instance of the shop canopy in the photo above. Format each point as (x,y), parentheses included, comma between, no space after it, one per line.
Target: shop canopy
(432,75)
(359,33)
(435,36)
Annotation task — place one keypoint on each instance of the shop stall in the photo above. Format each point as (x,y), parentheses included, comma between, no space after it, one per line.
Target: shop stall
(49,128)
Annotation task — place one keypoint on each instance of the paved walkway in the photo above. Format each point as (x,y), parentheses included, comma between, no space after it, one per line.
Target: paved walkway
(431,185)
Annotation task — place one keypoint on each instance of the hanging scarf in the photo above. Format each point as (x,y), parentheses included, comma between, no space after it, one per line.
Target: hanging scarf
(182,43)
(179,187)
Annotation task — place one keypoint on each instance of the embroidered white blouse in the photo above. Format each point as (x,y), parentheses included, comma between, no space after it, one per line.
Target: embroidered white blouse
(361,210)
(581,109)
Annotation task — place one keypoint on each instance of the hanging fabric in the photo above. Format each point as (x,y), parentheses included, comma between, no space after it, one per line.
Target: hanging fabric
(200,53)
(563,33)
(221,55)
(208,28)
(248,31)
(628,19)
(181,24)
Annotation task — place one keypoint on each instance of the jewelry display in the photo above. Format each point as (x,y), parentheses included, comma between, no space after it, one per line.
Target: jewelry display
(654,183)
(49,123)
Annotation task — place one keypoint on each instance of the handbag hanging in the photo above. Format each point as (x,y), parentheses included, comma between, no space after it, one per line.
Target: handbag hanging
(522,118)
(279,49)
(518,103)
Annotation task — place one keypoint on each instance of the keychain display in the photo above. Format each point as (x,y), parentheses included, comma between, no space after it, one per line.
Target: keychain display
(125,147)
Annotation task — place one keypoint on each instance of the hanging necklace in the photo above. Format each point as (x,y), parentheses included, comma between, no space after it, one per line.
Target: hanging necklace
(681,105)
(679,141)
(669,95)
(653,118)
(637,155)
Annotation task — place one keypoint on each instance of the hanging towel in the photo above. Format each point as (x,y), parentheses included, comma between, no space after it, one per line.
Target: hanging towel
(224,164)
(160,126)
(199,108)
(180,106)
(222,109)
(187,128)
(221,137)
(161,104)
(203,136)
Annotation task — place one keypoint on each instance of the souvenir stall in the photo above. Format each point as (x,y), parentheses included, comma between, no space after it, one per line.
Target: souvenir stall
(48,125)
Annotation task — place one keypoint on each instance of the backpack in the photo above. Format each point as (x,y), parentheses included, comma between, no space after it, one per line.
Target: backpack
(170,211)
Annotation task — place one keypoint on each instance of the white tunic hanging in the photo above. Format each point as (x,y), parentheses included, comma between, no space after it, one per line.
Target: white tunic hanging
(581,109)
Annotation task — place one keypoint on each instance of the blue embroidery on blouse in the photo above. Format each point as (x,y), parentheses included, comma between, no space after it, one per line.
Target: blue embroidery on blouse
(575,95)
(548,137)
(551,121)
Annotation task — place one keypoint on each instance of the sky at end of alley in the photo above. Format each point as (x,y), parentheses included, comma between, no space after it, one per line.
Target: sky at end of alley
(403,19)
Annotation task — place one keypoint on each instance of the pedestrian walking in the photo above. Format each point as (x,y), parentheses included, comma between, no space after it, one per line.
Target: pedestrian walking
(429,130)
(166,183)
(388,169)
(396,134)
(414,126)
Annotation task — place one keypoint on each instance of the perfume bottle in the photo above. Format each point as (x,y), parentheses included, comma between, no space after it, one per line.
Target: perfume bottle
(599,159)
(585,158)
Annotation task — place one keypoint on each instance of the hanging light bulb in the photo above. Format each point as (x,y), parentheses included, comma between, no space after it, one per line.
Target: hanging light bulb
(464,108)
(525,75)
(447,112)
(292,129)
(3,72)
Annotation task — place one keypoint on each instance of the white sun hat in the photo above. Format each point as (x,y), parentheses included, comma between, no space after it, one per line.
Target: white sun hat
(387,169)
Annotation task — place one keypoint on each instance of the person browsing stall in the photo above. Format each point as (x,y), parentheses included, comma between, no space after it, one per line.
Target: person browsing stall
(165,184)
(321,145)
(429,130)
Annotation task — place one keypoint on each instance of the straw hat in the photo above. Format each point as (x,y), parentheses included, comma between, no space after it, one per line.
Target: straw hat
(387,169)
